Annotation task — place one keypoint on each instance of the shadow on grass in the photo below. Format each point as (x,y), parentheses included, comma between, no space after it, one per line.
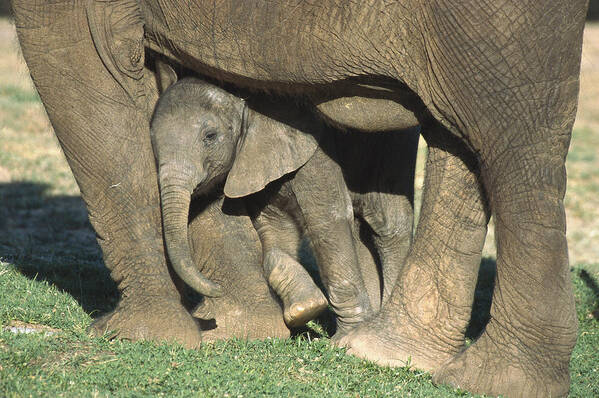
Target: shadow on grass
(49,238)
(590,282)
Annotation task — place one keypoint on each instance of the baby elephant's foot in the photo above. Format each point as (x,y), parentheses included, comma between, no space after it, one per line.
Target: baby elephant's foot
(302,299)
(303,305)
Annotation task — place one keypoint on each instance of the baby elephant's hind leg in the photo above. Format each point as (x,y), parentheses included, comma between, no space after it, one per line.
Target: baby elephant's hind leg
(280,237)
(390,217)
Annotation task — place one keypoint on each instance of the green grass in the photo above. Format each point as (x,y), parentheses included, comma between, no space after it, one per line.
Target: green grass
(52,280)
(70,363)
(584,367)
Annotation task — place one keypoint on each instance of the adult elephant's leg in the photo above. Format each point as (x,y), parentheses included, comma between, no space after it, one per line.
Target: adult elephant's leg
(368,261)
(516,106)
(387,201)
(525,349)
(99,110)
(424,321)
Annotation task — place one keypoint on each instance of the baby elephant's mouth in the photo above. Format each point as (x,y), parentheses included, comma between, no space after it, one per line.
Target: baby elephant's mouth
(213,188)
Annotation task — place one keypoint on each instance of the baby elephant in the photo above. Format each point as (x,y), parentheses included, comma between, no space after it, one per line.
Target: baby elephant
(289,168)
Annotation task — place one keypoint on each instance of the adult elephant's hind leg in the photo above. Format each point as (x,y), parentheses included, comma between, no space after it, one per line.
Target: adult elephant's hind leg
(525,349)
(424,320)
(518,119)
(102,125)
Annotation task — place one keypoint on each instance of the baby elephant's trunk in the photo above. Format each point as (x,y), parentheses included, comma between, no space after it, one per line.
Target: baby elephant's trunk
(175,199)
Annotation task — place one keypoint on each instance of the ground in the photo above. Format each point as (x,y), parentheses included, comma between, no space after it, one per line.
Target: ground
(52,282)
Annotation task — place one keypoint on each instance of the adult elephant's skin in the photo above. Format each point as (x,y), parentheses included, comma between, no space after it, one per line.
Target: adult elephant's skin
(501,76)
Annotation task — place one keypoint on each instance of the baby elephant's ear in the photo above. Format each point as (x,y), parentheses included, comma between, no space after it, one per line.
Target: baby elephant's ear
(268,150)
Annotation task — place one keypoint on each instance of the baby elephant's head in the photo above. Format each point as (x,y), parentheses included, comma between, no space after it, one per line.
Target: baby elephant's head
(195,130)
(203,135)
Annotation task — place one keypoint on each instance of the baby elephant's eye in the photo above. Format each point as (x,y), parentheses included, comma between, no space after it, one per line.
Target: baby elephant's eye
(210,136)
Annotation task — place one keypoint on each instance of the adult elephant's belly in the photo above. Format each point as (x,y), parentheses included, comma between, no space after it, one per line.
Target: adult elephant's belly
(368,114)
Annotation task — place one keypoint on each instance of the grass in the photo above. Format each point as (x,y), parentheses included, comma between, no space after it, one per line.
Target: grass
(70,363)
(52,282)
(61,360)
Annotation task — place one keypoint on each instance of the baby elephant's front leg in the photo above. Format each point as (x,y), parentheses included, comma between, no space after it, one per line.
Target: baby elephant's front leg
(302,299)
(326,207)
(280,237)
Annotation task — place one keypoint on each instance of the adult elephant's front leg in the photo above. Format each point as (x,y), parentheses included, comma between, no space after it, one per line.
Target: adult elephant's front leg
(525,349)
(99,108)
(424,320)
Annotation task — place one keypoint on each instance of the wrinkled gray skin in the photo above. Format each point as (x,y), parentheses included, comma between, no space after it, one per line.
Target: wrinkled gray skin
(227,248)
(202,135)
(494,84)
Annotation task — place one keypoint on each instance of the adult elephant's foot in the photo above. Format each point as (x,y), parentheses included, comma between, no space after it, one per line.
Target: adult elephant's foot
(416,327)
(492,367)
(149,318)
(392,340)
(227,317)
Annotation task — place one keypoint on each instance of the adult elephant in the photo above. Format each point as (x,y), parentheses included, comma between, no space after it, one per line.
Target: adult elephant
(495,84)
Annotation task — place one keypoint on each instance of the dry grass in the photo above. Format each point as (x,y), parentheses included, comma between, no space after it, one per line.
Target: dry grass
(30,151)
(582,196)
(588,105)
